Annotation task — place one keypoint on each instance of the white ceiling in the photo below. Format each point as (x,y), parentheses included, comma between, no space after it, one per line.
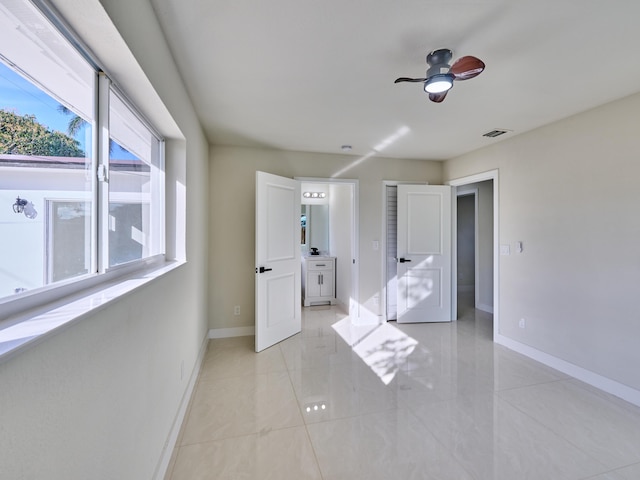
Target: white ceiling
(313,75)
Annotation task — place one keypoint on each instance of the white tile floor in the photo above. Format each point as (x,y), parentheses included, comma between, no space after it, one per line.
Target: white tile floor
(428,401)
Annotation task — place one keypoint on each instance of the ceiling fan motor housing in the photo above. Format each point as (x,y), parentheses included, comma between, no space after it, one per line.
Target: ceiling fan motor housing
(438,61)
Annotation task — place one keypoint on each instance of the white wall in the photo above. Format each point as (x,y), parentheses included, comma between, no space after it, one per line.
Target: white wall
(98,399)
(569,192)
(22,239)
(232,217)
(341,222)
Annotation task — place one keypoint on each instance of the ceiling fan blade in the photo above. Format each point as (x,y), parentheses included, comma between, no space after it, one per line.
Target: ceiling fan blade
(438,97)
(465,68)
(405,79)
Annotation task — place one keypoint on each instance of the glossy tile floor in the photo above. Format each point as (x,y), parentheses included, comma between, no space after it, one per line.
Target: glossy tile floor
(428,401)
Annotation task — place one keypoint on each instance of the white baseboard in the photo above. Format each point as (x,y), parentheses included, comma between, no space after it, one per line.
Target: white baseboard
(172,439)
(232,332)
(605,384)
(485,308)
(367,318)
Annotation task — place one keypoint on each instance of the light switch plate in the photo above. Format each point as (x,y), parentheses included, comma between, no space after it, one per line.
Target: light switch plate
(505,250)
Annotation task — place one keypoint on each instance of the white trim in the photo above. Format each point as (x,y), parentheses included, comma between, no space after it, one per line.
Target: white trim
(605,384)
(231,332)
(454,255)
(172,439)
(481,177)
(366,317)
(102,193)
(478,177)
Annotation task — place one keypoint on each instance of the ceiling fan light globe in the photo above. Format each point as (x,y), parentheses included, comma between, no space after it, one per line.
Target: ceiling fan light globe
(438,83)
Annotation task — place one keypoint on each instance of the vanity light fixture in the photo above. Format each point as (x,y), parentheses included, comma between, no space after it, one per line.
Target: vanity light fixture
(314,195)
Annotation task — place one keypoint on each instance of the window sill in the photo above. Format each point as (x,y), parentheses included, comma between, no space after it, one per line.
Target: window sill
(31,329)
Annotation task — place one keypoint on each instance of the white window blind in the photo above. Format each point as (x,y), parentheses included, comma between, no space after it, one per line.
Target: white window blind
(38,51)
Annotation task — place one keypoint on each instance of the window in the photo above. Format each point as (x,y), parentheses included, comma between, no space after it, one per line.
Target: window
(135,170)
(81,171)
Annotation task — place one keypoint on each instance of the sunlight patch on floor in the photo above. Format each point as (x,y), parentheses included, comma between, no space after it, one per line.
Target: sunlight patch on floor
(382,347)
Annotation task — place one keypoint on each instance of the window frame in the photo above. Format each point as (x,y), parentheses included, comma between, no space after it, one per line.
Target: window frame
(26,305)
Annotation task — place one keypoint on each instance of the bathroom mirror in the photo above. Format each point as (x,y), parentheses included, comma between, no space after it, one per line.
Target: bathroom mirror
(314,228)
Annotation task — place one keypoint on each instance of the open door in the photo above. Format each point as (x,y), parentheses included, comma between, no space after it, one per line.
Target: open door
(278,268)
(424,254)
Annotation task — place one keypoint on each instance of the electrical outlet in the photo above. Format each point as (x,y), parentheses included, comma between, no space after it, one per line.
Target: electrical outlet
(236,310)
(522,323)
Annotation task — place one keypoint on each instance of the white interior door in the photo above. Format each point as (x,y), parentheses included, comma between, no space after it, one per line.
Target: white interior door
(278,268)
(424,254)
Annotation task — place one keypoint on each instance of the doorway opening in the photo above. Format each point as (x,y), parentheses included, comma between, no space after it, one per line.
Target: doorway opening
(485,275)
(328,222)
(476,259)
(467,250)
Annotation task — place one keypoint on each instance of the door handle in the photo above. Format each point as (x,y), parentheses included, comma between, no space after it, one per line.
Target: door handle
(403,260)
(262,270)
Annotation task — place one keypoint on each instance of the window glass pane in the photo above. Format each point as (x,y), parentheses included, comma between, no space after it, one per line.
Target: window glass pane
(135,190)
(45,155)
(69,234)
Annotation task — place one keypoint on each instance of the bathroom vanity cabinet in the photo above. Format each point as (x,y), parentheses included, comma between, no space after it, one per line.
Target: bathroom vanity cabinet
(318,280)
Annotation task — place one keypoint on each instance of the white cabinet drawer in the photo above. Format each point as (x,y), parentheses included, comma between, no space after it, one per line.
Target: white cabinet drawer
(326,264)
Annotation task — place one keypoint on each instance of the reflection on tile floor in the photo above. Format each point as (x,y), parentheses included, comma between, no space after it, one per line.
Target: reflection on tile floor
(418,401)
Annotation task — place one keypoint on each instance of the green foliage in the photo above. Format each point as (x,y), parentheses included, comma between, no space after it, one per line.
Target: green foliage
(22,135)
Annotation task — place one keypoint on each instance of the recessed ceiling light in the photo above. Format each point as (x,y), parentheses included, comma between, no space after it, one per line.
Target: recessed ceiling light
(346,148)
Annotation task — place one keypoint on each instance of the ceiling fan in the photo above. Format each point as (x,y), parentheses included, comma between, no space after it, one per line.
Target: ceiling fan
(440,75)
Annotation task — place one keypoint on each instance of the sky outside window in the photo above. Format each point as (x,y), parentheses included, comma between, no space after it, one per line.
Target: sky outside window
(19,96)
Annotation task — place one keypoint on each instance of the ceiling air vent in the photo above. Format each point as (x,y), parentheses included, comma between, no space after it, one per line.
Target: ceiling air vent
(495,133)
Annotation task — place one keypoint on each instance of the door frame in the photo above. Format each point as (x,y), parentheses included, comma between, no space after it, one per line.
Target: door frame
(354,302)
(460,182)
